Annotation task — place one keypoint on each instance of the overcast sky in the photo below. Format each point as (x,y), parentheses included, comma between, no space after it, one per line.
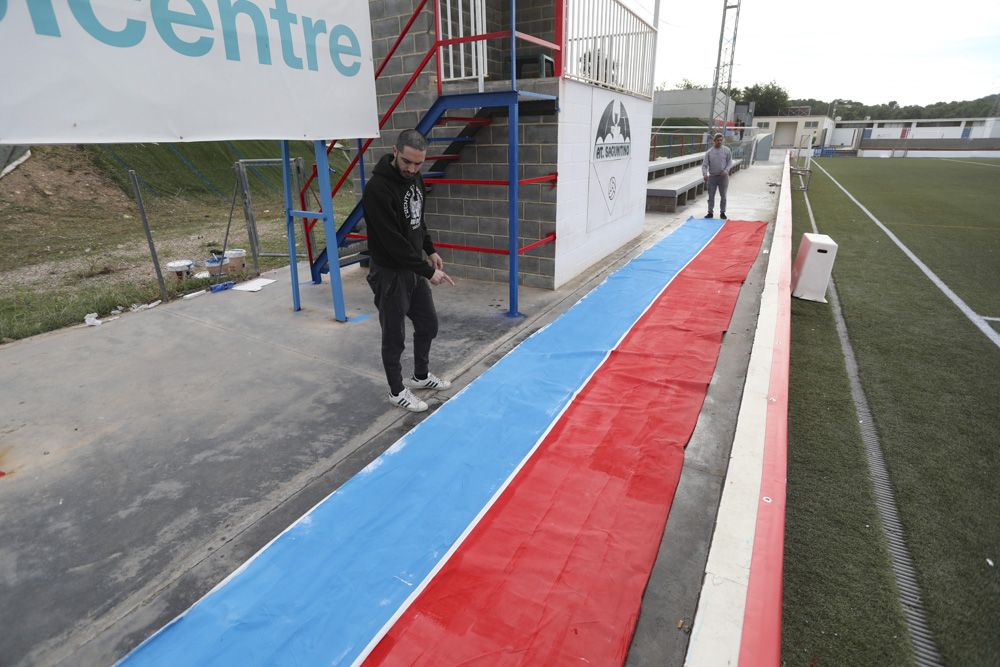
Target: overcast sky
(870,51)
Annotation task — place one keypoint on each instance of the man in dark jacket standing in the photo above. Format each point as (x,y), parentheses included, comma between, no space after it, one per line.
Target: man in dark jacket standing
(399,276)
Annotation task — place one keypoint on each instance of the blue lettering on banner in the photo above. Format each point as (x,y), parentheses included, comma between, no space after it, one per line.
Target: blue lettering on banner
(164,19)
(228,12)
(130,35)
(338,49)
(43,18)
(201,30)
(285,19)
(311,31)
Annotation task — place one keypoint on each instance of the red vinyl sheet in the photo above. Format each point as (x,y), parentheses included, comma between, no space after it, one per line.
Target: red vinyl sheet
(555,571)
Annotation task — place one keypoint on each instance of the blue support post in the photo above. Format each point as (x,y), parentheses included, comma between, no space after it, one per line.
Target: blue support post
(513,179)
(513,190)
(293,261)
(326,201)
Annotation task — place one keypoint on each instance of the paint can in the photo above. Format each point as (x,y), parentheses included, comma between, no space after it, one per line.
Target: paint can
(217,265)
(237,260)
(180,268)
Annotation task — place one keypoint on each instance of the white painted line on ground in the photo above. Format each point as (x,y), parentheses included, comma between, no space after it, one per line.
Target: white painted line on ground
(981,164)
(977,320)
(991,319)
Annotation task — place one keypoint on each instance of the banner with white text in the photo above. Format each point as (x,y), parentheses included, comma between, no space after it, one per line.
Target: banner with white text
(111,71)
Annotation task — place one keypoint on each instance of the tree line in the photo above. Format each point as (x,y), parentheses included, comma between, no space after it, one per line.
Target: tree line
(773,100)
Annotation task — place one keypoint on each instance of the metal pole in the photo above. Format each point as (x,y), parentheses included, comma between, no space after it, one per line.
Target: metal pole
(513,192)
(513,184)
(361,164)
(718,64)
(149,234)
(332,256)
(241,174)
(293,262)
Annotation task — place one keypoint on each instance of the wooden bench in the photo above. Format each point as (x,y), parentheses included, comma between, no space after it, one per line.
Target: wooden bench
(666,193)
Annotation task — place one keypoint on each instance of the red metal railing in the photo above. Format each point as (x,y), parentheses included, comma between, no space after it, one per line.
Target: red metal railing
(548,238)
(475,181)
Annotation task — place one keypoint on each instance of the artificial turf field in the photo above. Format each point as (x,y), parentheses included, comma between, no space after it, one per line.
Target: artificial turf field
(932,380)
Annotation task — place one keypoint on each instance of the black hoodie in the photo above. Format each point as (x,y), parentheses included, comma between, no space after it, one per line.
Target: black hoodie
(394,211)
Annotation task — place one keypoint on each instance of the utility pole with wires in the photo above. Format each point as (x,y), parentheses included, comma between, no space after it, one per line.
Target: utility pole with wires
(723,81)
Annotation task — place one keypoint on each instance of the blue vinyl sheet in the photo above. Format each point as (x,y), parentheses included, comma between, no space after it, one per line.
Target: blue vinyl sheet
(320,592)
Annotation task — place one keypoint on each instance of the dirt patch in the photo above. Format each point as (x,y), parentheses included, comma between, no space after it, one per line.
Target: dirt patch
(59,179)
(66,222)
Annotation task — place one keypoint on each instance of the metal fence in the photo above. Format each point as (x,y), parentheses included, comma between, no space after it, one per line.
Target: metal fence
(608,45)
(668,141)
(466,60)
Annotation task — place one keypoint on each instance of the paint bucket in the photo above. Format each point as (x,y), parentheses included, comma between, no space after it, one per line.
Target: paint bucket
(180,268)
(217,265)
(237,260)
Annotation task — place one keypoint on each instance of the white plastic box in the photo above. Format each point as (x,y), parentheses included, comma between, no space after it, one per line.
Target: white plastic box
(813,266)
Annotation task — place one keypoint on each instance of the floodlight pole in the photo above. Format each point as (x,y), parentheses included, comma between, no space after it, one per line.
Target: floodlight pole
(719,111)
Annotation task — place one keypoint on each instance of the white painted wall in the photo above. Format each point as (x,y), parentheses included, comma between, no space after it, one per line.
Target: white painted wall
(844,136)
(935,133)
(939,154)
(589,226)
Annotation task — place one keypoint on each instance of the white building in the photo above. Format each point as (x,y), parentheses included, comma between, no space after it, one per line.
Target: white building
(924,137)
(789,130)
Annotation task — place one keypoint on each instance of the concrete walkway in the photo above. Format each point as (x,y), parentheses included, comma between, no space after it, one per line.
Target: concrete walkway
(149,457)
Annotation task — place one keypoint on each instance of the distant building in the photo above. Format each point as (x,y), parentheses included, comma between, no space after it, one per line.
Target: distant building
(789,130)
(876,138)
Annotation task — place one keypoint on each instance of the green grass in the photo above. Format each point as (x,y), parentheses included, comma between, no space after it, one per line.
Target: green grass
(931,377)
(201,168)
(839,599)
(943,211)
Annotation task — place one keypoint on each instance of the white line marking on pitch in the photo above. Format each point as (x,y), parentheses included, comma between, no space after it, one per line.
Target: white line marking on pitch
(979,321)
(981,164)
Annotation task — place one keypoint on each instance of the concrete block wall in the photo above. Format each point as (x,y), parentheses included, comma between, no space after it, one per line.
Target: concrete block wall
(478,215)
(389,17)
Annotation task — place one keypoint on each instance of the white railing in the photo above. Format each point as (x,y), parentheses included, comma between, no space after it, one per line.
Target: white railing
(467,60)
(608,45)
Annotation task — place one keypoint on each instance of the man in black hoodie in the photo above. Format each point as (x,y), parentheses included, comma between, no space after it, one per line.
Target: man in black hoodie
(399,276)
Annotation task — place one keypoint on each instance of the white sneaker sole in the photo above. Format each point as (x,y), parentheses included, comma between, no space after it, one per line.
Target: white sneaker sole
(415,384)
(412,407)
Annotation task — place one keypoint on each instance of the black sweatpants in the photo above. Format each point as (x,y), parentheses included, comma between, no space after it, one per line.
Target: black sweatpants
(400,294)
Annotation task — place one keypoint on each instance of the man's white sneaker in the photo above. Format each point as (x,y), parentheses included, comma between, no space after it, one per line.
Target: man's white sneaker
(406,400)
(430,382)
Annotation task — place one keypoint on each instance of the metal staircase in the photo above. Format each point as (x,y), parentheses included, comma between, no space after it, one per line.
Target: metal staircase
(439,128)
